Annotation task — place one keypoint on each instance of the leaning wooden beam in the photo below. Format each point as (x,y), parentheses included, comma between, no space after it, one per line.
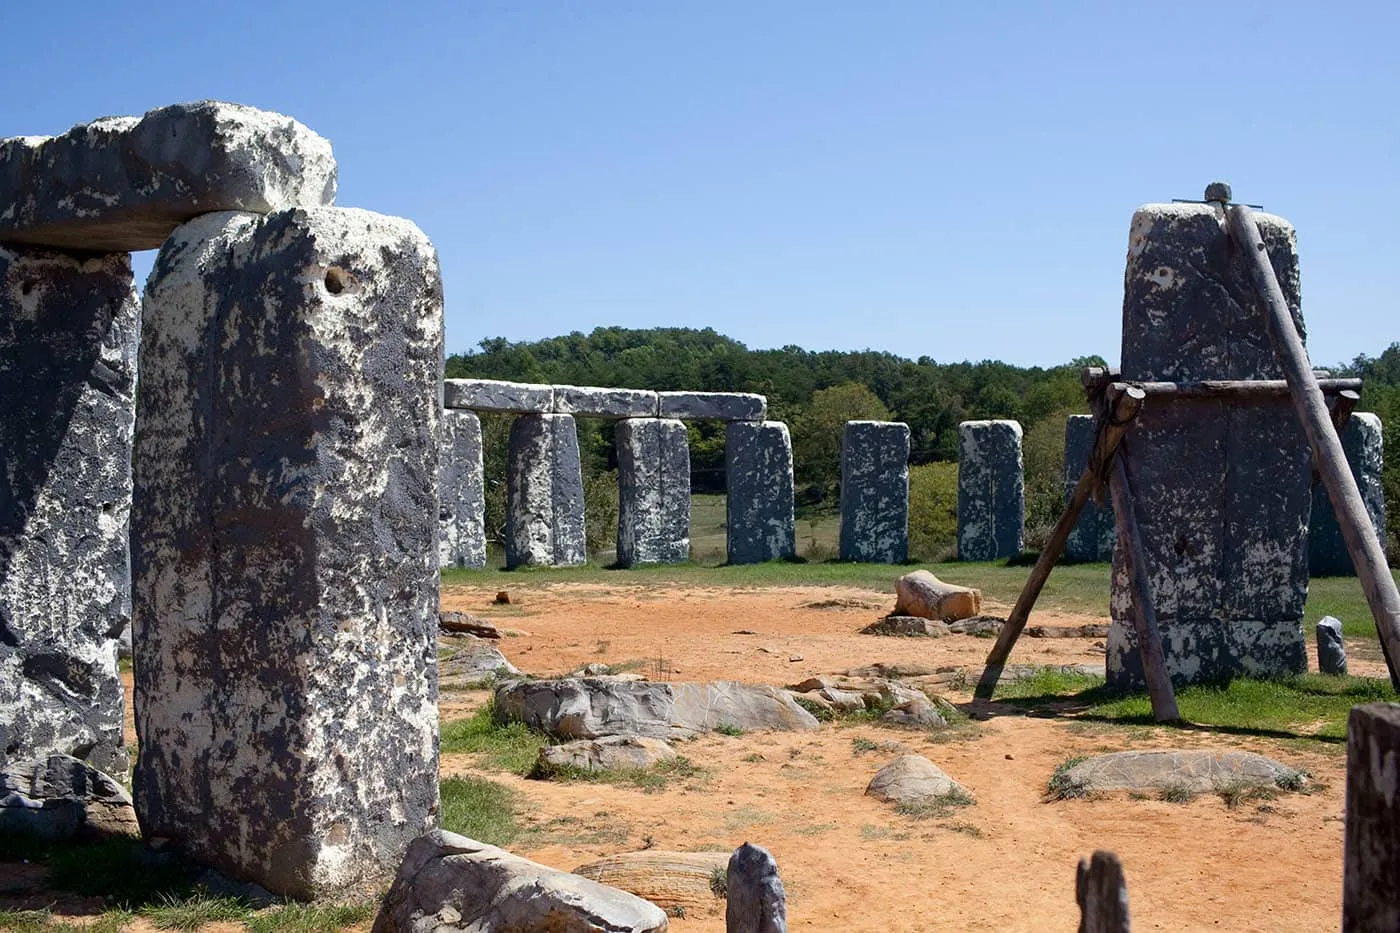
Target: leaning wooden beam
(1102,894)
(1355,523)
(1124,402)
(1342,406)
(1239,388)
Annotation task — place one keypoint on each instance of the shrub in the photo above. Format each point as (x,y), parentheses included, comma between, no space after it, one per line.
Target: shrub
(933,510)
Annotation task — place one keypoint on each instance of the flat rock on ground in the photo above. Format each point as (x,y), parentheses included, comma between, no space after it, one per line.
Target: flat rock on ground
(610,753)
(667,879)
(60,797)
(473,661)
(907,626)
(911,778)
(1194,770)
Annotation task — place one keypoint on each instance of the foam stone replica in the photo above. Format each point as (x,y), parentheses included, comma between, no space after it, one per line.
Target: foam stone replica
(1364,444)
(285,562)
(1094,534)
(69,328)
(653,482)
(759,508)
(462,491)
(1221,486)
(124,183)
(875,492)
(544,493)
(991,490)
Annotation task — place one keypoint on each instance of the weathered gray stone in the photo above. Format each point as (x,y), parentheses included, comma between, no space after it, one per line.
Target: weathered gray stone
(677,882)
(1364,443)
(758,509)
(1093,535)
(875,492)
(991,490)
(720,406)
(596,402)
(907,627)
(1331,647)
(522,398)
(609,753)
(451,884)
(461,492)
(544,493)
(1221,487)
(653,485)
(911,778)
(60,797)
(916,711)
(473,662)
(1371,855)
(124,183)
(1197,770)
(285,526)
(756,901)
(69,328)
(921,594)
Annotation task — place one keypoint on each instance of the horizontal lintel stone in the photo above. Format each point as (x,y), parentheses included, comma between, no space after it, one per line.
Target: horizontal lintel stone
(597,402)
(522,398)
(720,406)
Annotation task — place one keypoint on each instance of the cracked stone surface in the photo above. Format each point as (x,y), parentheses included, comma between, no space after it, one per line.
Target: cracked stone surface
(991,490)
(124,183)
(1093,536)
(721,406)
(285,560)
(1364,444)
(875,492)
(522,398)
(595,402)
(759,505)
(544,494)
(1200,771)
(462,492)
(69,328)
(653,485)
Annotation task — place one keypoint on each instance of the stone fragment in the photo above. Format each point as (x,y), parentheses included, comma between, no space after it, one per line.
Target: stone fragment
(991,490)
(544,494)
(69,328)
(124,183)
(653,486)
(720,406)
(1371,852)
(455,622)
(677,882)
(1364,444)
(922,594)
(915,712)
(461,492)
(609,753)
(521,398)
(907,627)
(913,778)
(1331,647)
(980,626)
(759,505)
(704,707)
(875,492)
(1102,894)
(451,884)
(285,545)
(595,402)
(1197,770)
(472,662)
(755,899)
(1087,630)
(1093,535)
(59,797)
(1221,486)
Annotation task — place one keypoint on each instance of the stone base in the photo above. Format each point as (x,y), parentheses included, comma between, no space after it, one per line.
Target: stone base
(1206,650)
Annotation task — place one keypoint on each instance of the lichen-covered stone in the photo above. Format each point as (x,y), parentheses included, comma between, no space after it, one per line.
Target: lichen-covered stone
(124,183)
(653,485)
(991,490)
(462,492)
(1371,842)
(759,507)
(285,525)
(1331,647)
(755,901)
(60,797)
(720,406)
(596,402)
(875,492)
(544,493)
(1364,444)
(1094,534)
(521,398)
(69,328)
(1221,487)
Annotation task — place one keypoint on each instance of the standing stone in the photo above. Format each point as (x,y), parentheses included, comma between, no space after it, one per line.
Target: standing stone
(462,490)
(1331,647)
(1221,485)
(1371,860)
(653,485)
(991,490)
(875,492)
(544,487)
(285,557)
(755,899)
(758,510)
(1102,894)
(69,328)
(1364,443)
(1093,535)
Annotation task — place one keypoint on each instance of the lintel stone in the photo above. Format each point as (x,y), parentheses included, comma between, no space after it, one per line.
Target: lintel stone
(520,398)
(720,406)
(597,402)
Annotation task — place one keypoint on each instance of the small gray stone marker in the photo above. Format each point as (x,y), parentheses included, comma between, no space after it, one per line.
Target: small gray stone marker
(1331,648)
(875,492)
(1364,443)
(544,494)
(759,504)
(1094,534)
(462,492)
(721,406)
(653,484)
(755,900)
(521,398)
(1102,894)
(1371,860)
(991,490)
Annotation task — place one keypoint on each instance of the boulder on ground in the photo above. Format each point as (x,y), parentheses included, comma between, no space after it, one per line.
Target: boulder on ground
(1195,770)
(915,712)
(911,778)
(610,753)
(669,880)
(473,661)
(60,797)
(907,626)
(981,626)
(923,595)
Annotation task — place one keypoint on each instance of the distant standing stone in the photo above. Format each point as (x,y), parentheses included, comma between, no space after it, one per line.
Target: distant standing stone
(1094,534)
(653,485)
(1364,443)
(875,492)
(755,899)
(462,491)
(991,490)
(758,463)
(1331,648)
(544,494)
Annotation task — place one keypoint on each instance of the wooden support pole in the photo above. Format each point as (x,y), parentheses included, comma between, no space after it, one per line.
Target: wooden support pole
(1124,403)
(1352,517)
(1096,379)
(1342,406)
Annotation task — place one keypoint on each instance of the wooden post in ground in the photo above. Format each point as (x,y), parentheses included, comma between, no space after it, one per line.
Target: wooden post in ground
(1102,894)
(1357,531)
(1371,863)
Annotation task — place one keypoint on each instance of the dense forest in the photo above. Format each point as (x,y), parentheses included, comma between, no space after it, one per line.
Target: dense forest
(816,392)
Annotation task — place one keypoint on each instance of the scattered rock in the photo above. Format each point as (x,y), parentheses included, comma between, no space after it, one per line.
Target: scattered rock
(669,880)
(468,624)
(610,753)
(794,658)
(922,594)
(911,778)
(915,712)
(1193,770)
(981,626)
(1088,630)
(846,602)
(907,626)
(60,797)
(880,669)
(502,598)
(476,662)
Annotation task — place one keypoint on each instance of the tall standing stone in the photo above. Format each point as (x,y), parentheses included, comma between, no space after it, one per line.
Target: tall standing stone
(544,493)
(1093,535)
(754,895)
(69,327)
(1364,444)
(285,525)
(875,492)
(991,490)
(1371,858)
(653,484)
(758,510)
(462,490)
(1221,485)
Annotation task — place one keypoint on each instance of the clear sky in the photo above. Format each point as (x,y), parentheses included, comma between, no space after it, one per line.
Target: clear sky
(934,179)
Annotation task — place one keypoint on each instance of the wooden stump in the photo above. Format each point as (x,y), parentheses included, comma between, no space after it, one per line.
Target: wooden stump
(1370,895)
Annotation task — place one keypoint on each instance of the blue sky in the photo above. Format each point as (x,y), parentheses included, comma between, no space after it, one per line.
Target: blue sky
(943,180)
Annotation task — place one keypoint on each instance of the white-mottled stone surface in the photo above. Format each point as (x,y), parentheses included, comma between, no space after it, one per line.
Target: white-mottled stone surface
(759,504)
(521,398)
(1094,534)
(596,402)
(991,490)
(653,485)
(1364,443)
(544,493)
(124,183)
(462,492)
(875,492)
(69,328)
(721,406)
(285,559)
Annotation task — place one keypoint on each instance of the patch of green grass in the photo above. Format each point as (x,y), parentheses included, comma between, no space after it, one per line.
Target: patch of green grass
(1236,793)
(860,745)
(753,758)
(728,728)
(967,829)
(1343,598)
(1048,682)
(308,918)
(1176,793)
(120,870)
(478,809)
(1062,786)
(192,912)
(501,746)
(719,882)
(928,808)
(42,921)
